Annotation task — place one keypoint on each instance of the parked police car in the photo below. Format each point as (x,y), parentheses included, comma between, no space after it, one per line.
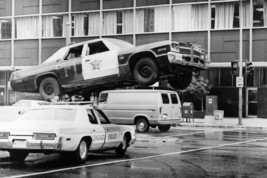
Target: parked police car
(111,63)
(73,130)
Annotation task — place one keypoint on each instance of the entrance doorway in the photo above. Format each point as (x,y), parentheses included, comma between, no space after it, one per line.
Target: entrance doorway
(251,101)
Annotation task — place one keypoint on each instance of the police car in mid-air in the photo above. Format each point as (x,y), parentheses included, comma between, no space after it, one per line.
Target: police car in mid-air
(106,63)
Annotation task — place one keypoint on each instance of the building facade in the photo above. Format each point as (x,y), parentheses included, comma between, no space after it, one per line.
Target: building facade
(32,30)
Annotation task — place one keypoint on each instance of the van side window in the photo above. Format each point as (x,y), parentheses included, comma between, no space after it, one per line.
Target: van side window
(174,99)
(165,98)
(103,98)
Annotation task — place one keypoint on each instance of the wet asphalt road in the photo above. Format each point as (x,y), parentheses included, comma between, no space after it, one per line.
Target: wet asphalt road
(181,152)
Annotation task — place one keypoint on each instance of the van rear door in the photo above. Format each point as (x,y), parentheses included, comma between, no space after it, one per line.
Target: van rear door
(175,106)
(166,106)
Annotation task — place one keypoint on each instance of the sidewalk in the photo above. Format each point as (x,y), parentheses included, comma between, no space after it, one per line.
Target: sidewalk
(227,122)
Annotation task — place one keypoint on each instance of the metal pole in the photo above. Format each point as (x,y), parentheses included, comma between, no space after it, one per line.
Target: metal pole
(240,101)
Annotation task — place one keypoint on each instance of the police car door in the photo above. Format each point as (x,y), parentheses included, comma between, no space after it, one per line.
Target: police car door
(100,61)
(113,135)
(97,131)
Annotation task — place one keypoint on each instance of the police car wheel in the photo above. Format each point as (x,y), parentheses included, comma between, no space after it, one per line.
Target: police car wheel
(81,153)
(164,128)
(146,71)
(49,87)
(142,125)
(121,149)
(17,155)
(180,81)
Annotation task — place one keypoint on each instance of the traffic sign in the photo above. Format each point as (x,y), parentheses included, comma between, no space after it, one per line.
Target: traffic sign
(239,81)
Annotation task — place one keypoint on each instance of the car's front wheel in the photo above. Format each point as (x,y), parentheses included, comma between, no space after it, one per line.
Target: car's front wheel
(49,87)
(146,71)
(121,149)
(17,155)
(180,81)
(81,153)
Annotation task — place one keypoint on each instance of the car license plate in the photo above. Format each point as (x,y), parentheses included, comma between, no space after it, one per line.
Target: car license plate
(19,144)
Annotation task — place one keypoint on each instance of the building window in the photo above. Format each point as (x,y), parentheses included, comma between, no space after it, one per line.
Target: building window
(153,20)
(85,24)
(260,13)
(226,15)
(190,17)
(5,28)
(27,27)
(117,22)
(54,25)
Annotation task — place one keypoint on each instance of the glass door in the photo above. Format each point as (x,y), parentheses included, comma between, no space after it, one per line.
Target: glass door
(251,100)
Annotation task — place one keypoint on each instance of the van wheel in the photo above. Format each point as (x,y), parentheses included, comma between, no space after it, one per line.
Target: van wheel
(142,125)
(164,128)
(146,71)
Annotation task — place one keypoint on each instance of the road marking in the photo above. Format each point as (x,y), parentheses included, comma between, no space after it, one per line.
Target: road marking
(201,132)
(136,159)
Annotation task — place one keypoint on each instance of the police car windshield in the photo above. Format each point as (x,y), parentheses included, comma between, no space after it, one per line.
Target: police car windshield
(57,55)
(120,44)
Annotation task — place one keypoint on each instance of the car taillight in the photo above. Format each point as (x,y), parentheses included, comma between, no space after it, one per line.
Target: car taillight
(44,136)
(4,135)
(160,110)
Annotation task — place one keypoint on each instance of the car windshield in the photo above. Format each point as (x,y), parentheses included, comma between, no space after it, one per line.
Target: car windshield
(57,114)
(57,55)
(121,44)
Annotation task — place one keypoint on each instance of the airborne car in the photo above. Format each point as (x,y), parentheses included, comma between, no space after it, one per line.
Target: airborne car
(67,129)
(111,63)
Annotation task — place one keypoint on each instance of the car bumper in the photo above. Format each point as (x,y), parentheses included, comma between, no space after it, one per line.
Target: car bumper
(186,60)
(30,144)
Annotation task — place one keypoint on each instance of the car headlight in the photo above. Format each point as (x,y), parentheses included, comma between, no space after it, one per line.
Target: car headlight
(4,135)
(175,47)
(44,136)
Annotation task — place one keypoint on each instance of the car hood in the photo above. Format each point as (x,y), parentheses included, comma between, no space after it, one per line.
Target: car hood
(33,70)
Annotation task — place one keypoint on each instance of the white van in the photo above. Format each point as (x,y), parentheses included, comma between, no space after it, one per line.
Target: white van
(144,108)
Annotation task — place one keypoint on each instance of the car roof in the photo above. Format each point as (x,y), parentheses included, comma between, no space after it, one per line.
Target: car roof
(64,106)
(139,91)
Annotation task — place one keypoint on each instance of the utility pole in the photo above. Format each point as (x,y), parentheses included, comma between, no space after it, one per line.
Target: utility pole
(240,101)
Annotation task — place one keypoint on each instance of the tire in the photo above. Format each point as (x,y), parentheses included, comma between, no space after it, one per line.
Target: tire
(17,155)
(121,149)
(164,128)
(49,87)
(180,81)
(81,153)
(142,125)
(146,71)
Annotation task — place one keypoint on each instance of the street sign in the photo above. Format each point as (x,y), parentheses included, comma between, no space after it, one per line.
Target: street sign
(239,81)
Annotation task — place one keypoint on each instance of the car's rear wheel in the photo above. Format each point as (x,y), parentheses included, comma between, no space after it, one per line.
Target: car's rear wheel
(180,81)
(121,149)
(142,125)
(164,128)
(18,155)
(81,153)
(49,87)
(146,71)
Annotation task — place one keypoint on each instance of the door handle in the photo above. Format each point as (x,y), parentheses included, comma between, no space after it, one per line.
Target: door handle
(93,130)
(58,67)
